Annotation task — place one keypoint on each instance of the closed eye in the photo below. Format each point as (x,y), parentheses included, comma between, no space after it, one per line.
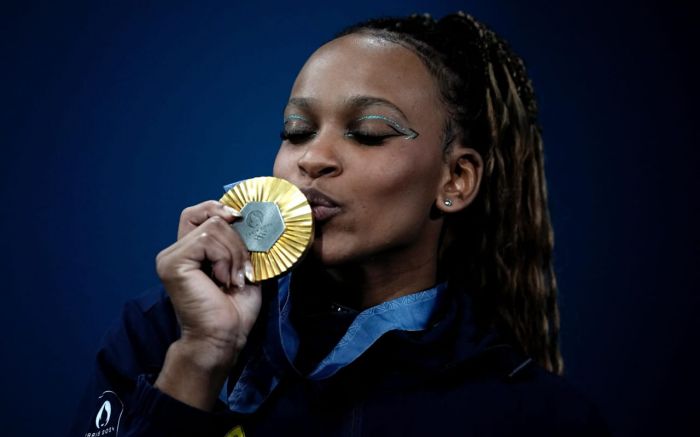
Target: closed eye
(297,136)
(408,133)
(369,139)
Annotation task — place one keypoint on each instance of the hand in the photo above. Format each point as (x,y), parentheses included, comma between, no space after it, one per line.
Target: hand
(216,310)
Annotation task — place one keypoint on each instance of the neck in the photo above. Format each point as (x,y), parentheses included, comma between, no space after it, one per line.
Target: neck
(364,284)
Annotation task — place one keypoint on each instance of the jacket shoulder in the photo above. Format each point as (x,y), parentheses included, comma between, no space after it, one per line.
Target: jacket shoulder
(550,403)
(137,342)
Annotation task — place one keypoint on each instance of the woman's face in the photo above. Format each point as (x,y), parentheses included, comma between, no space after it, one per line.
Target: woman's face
(363,139)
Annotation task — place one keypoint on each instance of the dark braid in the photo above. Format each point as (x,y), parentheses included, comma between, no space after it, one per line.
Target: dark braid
(500,247)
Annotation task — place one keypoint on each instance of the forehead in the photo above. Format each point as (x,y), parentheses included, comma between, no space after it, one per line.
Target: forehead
(358,64)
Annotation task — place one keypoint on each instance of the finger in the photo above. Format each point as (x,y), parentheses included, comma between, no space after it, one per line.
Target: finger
(219,234)
(240,257)
(205,244)
(192,252)
(194,216)
(240,267)
(210,242)
(248,299)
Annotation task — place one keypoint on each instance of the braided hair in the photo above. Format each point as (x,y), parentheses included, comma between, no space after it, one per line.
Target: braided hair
(499,248)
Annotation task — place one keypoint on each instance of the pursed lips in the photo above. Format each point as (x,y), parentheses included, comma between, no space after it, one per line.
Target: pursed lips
(322,206)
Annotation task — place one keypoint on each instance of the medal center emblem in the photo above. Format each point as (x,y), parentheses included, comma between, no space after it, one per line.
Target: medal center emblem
(261,227)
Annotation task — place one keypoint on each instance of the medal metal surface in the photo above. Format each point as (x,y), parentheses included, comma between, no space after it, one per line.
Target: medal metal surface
(276,224)
(261,225)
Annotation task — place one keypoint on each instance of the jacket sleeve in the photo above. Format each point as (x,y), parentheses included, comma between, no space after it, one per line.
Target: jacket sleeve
(120,399)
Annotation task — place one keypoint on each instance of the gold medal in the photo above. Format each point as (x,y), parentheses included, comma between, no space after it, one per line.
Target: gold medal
(276,223)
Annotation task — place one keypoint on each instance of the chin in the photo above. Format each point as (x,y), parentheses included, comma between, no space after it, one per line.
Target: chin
(330,254)
(328,258)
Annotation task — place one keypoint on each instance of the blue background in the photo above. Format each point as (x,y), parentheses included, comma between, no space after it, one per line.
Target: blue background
(116,115)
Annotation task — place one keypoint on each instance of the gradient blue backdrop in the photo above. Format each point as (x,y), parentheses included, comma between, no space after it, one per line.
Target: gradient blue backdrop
(116,115)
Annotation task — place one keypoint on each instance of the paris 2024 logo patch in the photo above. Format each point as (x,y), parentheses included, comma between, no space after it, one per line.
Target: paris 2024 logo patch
(105,423)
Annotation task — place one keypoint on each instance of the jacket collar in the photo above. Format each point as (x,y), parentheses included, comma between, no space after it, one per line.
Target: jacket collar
(440,336)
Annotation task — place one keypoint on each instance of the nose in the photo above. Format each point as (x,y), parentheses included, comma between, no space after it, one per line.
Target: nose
(319,159)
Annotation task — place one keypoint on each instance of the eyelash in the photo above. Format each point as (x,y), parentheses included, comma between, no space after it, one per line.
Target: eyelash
(296,137)
(365,138)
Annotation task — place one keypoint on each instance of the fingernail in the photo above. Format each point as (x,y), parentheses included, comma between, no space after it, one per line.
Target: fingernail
(248,267)
(232,211)
(240,279)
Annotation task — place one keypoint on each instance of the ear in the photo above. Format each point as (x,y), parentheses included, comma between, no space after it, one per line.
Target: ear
(462,176)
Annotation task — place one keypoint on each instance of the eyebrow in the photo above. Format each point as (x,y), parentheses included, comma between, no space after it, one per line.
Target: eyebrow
(365,101)
(301,102)
(356,102)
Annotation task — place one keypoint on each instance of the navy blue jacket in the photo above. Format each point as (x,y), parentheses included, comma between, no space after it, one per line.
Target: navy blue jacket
(445,381)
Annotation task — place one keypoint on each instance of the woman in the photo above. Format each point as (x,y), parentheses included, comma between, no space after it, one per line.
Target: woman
(427,304)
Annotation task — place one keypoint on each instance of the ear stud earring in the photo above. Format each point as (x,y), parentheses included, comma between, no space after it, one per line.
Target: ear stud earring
(447,202)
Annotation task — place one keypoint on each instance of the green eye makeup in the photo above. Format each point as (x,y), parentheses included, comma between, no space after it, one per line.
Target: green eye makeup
(408,133)
(297,135)
(295,117)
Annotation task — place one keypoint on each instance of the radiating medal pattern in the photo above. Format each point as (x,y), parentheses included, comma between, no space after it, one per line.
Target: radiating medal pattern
(276,224)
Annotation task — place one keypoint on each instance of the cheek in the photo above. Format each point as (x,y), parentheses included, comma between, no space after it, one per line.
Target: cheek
(402,189)
(284,163)
(408,178)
